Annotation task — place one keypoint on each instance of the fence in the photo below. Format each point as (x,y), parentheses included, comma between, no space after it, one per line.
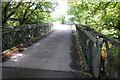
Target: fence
(14,36)
(92,43)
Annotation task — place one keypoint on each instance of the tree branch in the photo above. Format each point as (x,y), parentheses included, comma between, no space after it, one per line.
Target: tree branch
(14,10)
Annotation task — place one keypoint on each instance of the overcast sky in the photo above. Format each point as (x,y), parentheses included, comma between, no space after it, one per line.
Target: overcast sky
(61,9)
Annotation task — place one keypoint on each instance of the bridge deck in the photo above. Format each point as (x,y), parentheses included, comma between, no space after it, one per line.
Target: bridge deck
(51,53)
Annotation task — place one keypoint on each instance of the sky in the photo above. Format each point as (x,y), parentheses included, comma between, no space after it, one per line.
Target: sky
(61,9)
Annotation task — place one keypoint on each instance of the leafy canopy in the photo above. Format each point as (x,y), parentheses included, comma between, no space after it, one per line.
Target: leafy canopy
(102,16)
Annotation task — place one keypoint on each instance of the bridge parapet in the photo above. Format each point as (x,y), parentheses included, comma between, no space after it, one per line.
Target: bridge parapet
(19,34)
(95,47)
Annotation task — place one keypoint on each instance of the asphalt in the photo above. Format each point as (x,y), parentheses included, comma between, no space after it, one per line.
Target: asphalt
(35,73)
(48,58)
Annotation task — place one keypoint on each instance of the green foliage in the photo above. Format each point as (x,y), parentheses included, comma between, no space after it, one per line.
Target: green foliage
(113,63)
(87,75)
(62,19)
(115,53)
(18,13)
(102,16)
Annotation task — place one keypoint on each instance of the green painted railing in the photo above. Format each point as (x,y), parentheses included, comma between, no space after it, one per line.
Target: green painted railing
(92,43)
(14,36)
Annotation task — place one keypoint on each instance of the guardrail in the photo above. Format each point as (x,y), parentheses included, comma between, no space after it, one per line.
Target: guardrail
(92,44)
(14,36)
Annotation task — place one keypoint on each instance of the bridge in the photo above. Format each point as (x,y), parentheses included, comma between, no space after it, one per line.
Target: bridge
(54,51)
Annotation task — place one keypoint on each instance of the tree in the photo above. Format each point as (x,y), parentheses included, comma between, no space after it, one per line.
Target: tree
(102,16)
(18,13)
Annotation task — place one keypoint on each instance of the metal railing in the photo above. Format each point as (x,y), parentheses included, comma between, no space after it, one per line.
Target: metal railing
(92,43)
(14,36)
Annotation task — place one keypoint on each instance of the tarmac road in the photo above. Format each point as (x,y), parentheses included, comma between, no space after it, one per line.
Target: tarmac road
(48,58)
